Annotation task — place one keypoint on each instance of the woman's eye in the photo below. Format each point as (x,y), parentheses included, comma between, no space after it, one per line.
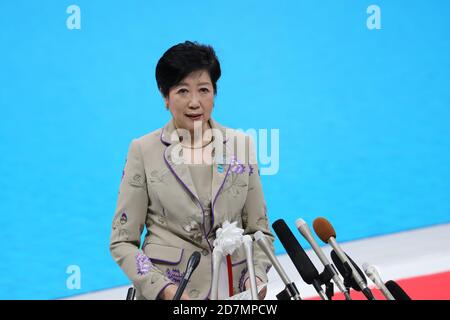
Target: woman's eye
(204,90)
(182,91)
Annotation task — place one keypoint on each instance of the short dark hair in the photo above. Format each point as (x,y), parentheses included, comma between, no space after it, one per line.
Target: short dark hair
(183,59)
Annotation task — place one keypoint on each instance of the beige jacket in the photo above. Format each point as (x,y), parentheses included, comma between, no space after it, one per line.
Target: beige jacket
(157,192)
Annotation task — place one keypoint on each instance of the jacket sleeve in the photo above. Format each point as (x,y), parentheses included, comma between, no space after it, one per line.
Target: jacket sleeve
(127,227)
(254,217)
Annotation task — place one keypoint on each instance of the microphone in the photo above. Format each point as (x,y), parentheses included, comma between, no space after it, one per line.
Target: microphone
(346,271)
(397,291)
(217,260)
(131,293)
(298,256)
(291,289)
(307,234)
(374,275)
(248,245)
(327,234)
(192,264)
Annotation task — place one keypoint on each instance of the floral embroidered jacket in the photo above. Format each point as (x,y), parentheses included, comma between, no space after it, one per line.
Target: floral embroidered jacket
(157,194)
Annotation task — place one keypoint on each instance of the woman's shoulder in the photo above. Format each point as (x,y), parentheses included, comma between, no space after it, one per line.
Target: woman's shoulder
(229,132)
(149,139)
(239,136)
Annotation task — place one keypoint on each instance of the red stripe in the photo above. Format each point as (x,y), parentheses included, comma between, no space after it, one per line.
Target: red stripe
(429,287)
(230,275)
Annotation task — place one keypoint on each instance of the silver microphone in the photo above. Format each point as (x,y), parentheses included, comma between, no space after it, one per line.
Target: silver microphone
(248,245)
(262,242)
(307,234)
(374,275)
(217,260)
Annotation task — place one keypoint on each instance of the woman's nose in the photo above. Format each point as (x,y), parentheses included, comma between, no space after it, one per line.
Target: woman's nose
(194,102)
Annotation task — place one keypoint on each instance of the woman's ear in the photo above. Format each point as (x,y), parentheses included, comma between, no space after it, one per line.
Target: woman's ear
(166,101)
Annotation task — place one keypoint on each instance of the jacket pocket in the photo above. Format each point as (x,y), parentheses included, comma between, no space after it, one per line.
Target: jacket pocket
(163,254)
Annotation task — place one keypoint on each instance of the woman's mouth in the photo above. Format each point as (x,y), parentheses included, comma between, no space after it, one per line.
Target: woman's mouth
(194,116)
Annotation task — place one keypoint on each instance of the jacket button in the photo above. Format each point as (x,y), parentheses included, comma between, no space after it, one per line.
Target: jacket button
(194,293)
(153,279)
(205,252)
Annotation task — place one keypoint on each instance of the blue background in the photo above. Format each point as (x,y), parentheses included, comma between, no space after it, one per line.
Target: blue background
(363,118)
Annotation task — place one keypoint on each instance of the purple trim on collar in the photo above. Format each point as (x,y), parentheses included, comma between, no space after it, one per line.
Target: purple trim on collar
(169,143)
(184,185)
(198,201)
(161,138)
(168,262)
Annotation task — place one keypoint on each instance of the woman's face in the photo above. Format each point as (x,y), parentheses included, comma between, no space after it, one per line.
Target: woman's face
(191,101)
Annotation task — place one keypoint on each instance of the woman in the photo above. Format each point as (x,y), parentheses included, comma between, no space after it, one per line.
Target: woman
(182,182)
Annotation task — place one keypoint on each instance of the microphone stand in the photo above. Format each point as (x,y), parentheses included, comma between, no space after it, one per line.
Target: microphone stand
(289,293)
(325,279)
(347,274)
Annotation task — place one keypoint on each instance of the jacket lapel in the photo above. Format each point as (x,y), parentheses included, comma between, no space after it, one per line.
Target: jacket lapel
(221,165)
(221,168)
(179,169)
(174,158)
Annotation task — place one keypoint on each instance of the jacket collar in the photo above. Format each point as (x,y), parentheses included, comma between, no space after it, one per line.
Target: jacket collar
(168,136)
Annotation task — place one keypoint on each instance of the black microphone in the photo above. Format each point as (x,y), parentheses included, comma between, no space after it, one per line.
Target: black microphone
(396,291)
(349,280)
(346,272)
(192,264)
(299,258)
(131,293)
